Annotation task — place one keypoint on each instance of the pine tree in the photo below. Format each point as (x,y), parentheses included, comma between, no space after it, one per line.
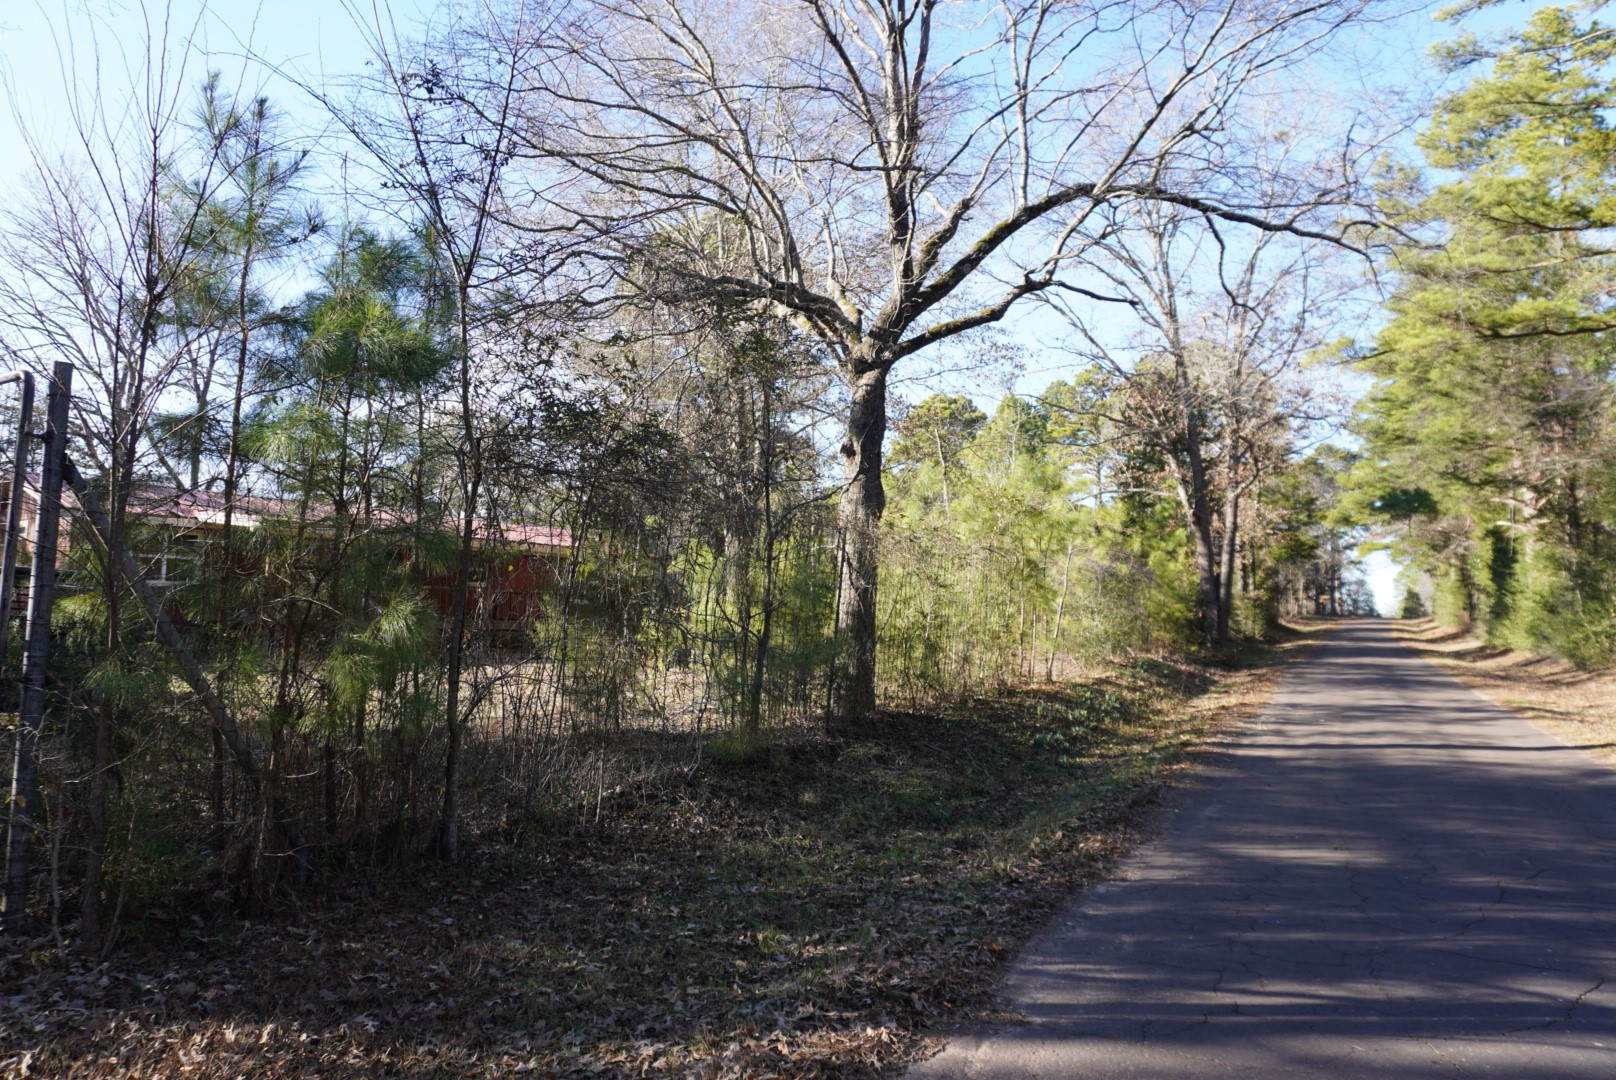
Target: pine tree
(1492,398)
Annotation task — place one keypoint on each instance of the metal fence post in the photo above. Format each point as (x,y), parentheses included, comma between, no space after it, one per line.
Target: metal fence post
(36,650)
(19,481)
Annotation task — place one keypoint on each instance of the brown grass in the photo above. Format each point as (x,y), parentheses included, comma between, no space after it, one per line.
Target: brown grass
(1575,705)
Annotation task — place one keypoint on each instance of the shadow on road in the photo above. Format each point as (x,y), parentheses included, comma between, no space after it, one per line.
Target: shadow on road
(1383,876)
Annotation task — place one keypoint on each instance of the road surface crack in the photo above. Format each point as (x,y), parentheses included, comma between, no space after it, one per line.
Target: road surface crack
(1571,1009)
(1446,1060)
(1583,997)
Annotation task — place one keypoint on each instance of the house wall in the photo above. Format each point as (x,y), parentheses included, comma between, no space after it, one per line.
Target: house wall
(507,593)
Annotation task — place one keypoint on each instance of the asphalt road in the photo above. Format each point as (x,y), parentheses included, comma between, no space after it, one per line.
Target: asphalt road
(1383,875)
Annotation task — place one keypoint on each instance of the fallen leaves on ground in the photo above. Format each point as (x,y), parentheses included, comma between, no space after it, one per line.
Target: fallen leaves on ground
(820,908)
(1574,704)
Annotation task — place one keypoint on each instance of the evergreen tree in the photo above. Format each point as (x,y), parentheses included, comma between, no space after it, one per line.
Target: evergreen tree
(1488,429)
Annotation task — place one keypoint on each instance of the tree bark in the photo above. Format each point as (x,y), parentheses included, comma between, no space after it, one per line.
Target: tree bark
(859,520)
(1226,569)
(760,654)
(1206,563)
(1191,478)
(1060,611)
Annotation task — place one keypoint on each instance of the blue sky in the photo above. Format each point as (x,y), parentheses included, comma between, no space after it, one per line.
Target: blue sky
(307,38)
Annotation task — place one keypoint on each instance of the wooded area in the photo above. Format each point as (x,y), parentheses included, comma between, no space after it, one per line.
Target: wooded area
(616,389)
(1488,432)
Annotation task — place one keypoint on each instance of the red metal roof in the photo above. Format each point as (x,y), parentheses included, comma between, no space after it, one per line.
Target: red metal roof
(205,509)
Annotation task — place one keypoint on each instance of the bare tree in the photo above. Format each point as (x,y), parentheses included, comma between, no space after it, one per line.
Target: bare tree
(95,258)
(438,118)
(895,173)
(1208,383)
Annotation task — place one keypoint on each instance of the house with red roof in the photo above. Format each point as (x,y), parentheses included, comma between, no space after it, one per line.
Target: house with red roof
(514,564)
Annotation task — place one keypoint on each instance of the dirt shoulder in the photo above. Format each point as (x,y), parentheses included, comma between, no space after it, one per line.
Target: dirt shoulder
(809,907)
(1575,705)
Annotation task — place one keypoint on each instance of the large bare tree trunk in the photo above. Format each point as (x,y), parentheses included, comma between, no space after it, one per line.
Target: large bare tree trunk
(859,521)
(1190,474)
(771,535)
(1226,569)
(1206,565)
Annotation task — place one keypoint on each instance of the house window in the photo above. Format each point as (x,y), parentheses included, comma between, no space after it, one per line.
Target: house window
(171,567)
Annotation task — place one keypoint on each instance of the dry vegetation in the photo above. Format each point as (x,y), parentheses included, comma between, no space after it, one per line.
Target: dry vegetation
(1571,703)
(817,908)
